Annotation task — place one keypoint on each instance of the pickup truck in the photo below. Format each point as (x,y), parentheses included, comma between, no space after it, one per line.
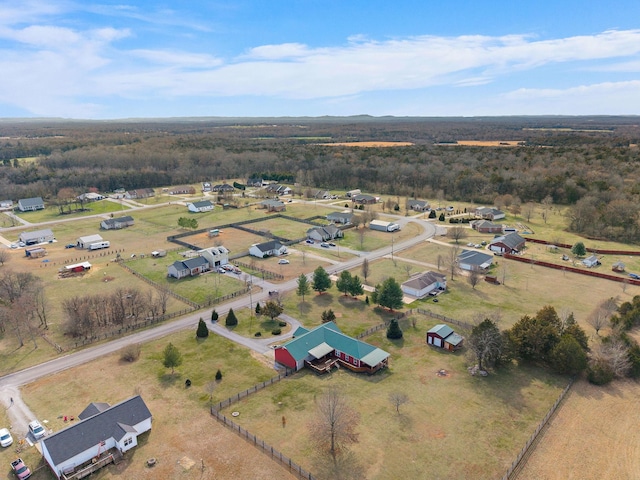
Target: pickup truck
(20,469)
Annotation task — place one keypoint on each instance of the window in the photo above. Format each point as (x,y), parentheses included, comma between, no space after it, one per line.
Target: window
(128,441)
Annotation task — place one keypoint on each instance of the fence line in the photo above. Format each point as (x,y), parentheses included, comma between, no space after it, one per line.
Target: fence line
(256,388)
(268,274)
(602,251)
(214,301)
(518,462)
(129,328)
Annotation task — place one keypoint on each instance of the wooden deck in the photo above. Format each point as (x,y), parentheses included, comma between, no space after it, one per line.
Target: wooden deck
(112,456)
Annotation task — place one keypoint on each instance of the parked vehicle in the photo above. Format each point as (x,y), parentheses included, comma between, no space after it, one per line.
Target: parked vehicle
(635,276)
(283,261)
(20,469)
(70,245)
(324,245)
(37,430)
(14,245)
(5,437)
(309,241)
(331,244)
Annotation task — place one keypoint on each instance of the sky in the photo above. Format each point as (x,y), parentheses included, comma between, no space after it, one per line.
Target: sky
(273,58)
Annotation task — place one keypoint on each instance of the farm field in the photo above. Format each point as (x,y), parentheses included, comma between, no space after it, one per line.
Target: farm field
(593,435)
(183,431)
(447,416)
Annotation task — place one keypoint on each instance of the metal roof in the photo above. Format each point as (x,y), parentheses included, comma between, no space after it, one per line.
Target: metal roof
(441,330)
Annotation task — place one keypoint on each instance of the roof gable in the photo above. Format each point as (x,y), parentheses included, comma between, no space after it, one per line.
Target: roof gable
(442,330)
(87,433)
(471,257)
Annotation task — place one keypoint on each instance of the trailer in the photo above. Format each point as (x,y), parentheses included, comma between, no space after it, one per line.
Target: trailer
(35,252)
(99,245)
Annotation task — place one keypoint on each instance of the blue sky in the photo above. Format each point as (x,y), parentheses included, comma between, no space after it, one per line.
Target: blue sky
(119,59)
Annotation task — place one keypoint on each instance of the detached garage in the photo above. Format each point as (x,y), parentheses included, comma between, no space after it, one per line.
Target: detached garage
(443,336)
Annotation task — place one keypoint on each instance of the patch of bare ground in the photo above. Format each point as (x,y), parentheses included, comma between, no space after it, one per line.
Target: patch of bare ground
(594,435)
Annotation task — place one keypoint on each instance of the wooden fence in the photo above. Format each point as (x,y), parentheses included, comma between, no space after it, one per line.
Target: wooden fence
(267,274)
(600,251)
(520,460)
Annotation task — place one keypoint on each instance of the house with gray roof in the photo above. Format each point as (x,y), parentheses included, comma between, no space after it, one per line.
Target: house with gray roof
(200,207)
(102,432)
(418,205)
(489,213)
(117,223)
(474,261)
(272,248)
(37,236)
(340,217)
(324,233)
(325,346)
(510,243)
(188,268)
(422,284)
(364,199)
(273,205)
(443,336)
(30,204)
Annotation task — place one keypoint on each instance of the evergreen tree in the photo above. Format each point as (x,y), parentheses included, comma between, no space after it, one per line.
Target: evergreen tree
(366,299)
(578,249)
(203,331)
(432,214)
(393,330)
(355,286)
(218,375)
(231,319)
(258,308)
(214,315)
(568,356)
(441,217)
(344,282)
(328,316)
(303,286)
(390,294)
(321,281)
(172,357)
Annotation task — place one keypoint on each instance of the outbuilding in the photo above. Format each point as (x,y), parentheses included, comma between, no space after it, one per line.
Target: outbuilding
(86,241)
(383,226)
(443,336)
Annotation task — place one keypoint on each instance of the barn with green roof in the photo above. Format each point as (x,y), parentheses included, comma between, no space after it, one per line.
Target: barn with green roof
(325,347)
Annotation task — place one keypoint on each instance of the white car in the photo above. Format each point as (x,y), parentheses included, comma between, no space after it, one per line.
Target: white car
(5,437)
(37,430)
(283,261)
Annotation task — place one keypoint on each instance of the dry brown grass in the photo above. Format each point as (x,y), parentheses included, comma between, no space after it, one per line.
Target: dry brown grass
(593,435)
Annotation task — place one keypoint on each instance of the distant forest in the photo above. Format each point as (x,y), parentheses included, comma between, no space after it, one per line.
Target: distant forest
(590,163)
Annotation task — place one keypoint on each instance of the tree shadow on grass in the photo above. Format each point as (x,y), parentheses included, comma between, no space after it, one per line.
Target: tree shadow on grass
(304,308)
(168,379)
(323,300)
(352,303)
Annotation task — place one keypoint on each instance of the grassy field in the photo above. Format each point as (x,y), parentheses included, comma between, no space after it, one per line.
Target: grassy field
(249,324)
(465,427)
(52,213)
(182,427)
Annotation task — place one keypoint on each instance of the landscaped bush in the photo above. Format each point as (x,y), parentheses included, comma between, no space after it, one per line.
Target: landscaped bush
(599,373)
(218,375)
(282,324)
(130,353)
(276,331)
(257,334)
(203,331)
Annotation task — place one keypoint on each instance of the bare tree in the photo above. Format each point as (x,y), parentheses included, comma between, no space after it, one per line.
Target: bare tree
(597,319)
(614,354)
(398,399)
(365,269)
(504,271)
(440,261)
(474,278)
(527,210)
(457,233)
(547,203)
(210,388)
(408,268)
(451,260)
(361,233)
(4,256)
(333,428)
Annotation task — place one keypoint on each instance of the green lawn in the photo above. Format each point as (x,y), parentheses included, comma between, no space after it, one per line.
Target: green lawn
(455,426)
(52,213)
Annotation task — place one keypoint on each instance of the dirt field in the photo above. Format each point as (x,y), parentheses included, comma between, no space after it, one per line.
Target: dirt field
(594,435)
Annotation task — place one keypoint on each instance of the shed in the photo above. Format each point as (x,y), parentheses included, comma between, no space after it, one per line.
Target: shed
(443,336)
(84,242)
(383,226)
(618,267)
(591,261)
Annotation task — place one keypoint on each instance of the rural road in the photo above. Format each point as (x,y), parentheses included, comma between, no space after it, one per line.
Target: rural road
(19,414)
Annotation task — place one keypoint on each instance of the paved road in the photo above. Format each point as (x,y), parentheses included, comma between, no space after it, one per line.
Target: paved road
(19,413)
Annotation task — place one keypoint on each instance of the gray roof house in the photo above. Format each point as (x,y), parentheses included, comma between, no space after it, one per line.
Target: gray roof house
(489,213)
(190,267)
(324,233)
(101,432)
(117,223)
(340,217)
(510,243)
(30,204)
(418,205)
(472,260)
(422,284)
(272,248)
(199,207)
(37,236)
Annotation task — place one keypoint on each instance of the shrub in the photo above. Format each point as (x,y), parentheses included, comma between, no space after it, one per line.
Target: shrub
(282,324)
(131,352)
(276,331)
(203,331)
(231,319)
(257,334)
(218,375)
(214,316)
(599,373)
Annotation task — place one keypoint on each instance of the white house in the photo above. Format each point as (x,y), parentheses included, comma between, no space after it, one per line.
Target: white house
(472,260)
(37,236)
(489,213)
(30,204)
(117,223)
(591,261)
(420,285)
(101,430)
(272,248)
(216,256)
(84,242)
(199,207)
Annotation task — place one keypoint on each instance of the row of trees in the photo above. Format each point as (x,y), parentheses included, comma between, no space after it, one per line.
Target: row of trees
(91,314)
(23,305)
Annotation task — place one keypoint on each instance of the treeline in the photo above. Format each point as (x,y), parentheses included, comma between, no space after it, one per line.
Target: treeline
(595,168)
(91,314)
